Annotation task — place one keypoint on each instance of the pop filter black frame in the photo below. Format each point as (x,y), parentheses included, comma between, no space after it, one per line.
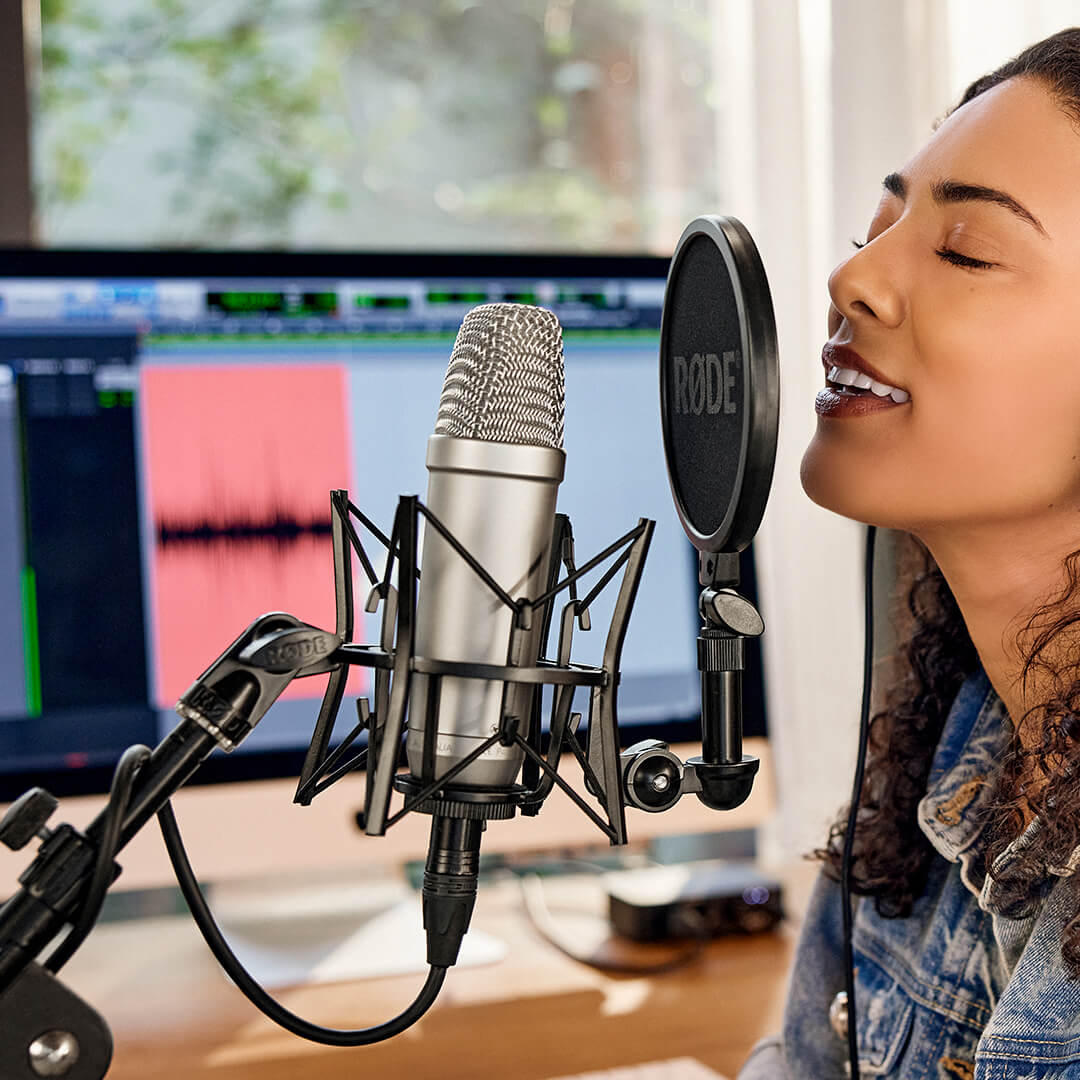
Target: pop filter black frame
(760,384)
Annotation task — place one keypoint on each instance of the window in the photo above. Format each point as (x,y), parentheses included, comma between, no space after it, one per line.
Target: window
(516,124)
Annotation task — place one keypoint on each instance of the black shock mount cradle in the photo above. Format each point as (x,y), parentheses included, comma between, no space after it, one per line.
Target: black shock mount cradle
(50,1031)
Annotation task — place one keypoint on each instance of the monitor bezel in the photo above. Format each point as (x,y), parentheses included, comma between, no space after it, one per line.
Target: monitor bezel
(278,263)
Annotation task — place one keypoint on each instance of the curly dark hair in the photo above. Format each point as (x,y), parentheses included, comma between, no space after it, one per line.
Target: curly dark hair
(890,855)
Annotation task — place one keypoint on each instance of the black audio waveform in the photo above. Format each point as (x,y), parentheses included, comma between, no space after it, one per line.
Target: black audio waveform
(278,527)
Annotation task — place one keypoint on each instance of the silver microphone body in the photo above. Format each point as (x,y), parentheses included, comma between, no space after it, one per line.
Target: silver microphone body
(494,467)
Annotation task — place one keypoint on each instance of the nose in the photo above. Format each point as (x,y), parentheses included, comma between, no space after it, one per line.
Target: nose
(864,288)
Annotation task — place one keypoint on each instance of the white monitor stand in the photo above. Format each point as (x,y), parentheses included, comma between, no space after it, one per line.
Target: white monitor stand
(331,928)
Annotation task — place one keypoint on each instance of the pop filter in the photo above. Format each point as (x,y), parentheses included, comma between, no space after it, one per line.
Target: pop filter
(719,408)
(719,384)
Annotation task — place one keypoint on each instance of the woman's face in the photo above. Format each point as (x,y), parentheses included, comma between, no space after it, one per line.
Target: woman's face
(966,297)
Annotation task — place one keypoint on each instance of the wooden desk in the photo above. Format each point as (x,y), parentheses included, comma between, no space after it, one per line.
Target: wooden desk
(537,1014)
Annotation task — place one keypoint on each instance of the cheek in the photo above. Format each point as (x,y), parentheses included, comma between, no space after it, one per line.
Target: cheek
(1003,393)
(1017,450)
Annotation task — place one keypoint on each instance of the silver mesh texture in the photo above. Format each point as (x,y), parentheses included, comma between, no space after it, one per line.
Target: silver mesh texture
(505,381)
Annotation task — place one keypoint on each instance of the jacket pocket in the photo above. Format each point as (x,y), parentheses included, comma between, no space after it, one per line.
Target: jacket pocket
(884,1017)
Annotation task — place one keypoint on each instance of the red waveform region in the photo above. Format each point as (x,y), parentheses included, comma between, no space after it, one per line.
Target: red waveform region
(241,461)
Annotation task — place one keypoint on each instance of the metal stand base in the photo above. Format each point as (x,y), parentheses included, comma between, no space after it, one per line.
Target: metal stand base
(49,1031)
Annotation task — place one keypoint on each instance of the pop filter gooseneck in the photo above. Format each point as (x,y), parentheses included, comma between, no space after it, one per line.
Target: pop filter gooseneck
(719,406)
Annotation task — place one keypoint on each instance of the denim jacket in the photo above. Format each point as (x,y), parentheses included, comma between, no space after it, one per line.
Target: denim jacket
(955,991)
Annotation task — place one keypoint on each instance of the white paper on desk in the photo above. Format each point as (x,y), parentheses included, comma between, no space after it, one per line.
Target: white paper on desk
(672,1069)
(390,942)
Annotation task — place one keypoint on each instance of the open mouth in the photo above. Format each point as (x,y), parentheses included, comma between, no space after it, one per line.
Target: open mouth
(849,382)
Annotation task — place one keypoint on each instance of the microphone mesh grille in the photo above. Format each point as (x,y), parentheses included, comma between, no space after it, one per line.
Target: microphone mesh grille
(505,382)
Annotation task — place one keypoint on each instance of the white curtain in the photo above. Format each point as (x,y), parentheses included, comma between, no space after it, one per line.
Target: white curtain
(842,92)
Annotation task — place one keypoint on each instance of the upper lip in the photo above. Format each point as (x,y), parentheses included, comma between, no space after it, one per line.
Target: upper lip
(845,357)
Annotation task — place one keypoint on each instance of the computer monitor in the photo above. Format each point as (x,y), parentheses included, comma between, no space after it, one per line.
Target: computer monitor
(171,424)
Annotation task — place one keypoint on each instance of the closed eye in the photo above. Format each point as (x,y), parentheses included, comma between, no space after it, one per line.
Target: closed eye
(950,256)
(957,259)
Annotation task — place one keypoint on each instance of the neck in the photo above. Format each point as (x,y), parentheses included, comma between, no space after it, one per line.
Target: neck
(1000,575)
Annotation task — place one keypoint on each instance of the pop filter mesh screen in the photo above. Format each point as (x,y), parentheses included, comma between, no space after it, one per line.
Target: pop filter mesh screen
(705,385)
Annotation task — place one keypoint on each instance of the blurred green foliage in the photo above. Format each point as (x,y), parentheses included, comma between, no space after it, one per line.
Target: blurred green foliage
(319,123)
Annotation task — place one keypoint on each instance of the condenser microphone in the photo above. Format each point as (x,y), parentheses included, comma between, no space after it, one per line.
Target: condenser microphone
(494,466)
(495,462)
(719,407)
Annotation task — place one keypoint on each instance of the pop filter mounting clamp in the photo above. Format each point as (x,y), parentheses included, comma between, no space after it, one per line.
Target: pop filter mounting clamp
(719,406)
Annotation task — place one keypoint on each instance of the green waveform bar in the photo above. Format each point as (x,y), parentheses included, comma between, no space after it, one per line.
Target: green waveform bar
(382,303)
(465,296)
(111,399)
(247,301)
(32,658)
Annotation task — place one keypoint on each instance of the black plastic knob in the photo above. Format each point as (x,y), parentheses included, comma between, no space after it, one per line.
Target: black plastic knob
(26,817)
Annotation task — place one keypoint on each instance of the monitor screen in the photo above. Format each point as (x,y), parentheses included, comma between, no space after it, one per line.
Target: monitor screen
(171,425)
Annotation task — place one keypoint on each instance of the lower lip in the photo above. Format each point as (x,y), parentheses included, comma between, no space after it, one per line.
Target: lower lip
(839,403)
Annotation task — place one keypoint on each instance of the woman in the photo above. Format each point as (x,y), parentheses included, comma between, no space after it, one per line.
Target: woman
(951,412)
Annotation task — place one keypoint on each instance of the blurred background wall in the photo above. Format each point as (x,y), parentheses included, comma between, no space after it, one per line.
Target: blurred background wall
(534,125)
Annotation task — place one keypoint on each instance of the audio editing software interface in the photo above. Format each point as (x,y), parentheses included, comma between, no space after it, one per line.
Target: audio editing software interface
(167,448)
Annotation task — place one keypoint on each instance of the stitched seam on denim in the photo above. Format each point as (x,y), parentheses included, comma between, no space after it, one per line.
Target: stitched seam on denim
(1028,1060)
(942,1010)
(1005,1055)
(935,1054)
(938,1058)
(882,952)
(1036,1042)
(962,1044)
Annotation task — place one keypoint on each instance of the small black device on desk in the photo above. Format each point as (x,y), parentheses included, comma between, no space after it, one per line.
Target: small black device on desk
(658,903)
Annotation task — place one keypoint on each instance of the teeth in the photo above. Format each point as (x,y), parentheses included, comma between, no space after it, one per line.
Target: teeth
(851,377)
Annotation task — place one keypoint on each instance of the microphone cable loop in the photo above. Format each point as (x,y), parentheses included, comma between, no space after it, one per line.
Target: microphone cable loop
(250,987)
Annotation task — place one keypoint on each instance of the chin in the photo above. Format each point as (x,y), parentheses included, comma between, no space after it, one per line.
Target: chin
(832,488)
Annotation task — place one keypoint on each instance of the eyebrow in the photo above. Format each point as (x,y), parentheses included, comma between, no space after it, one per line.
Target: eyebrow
(955,191)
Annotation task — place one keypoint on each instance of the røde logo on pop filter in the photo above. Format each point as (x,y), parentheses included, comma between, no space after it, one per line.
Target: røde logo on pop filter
(719,384)
(705,384)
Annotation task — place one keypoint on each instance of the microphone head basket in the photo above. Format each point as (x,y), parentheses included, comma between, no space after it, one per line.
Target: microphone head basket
(395,664)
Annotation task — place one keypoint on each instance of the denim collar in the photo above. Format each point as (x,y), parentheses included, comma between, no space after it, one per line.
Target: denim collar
(952,812)
(973,739)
